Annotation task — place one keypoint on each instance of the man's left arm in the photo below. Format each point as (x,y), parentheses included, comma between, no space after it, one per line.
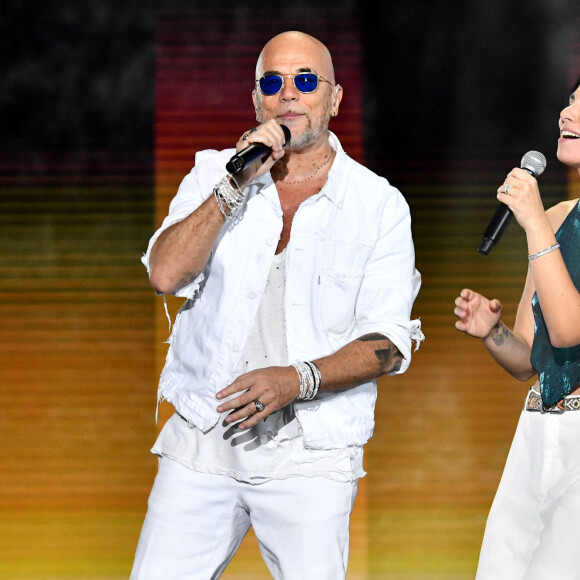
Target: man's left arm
(358,362)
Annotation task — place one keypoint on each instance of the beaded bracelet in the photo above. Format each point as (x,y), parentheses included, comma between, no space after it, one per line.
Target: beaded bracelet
(310,379)
(317,379)
(228,197)
(303,373)
(542,252)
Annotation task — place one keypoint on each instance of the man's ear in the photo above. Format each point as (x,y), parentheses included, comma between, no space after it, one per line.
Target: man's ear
(255,101)
(336,100)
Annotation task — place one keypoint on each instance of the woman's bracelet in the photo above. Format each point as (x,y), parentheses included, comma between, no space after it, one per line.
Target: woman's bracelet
(542,252)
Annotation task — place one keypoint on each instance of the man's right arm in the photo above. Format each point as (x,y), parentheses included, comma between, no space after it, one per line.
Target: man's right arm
(181,252)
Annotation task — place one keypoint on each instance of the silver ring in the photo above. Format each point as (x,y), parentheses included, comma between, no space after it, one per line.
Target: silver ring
(259,406)
(246,135)
(507,188)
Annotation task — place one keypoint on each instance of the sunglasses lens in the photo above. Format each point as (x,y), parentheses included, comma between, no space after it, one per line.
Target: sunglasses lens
(271,84)
(306,82)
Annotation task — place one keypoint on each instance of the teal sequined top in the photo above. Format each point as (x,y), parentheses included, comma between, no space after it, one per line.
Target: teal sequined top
(558,368)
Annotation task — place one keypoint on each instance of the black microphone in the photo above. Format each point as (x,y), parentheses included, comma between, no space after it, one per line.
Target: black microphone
(534,163)
(252,152)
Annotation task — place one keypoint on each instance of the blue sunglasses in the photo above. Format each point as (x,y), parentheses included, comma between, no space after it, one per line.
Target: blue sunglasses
(272,84)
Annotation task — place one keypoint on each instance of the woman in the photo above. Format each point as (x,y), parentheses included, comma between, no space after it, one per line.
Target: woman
(533,529)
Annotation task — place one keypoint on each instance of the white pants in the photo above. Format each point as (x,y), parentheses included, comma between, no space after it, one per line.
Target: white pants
(533,528)
(196,521)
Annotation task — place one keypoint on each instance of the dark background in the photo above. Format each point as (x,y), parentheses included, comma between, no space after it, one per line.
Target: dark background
(442,80)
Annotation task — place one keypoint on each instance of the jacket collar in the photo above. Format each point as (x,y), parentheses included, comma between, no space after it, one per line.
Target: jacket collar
(336,185)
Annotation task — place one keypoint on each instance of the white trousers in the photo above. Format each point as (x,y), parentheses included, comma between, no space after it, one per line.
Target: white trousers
(196,521)
(533,528)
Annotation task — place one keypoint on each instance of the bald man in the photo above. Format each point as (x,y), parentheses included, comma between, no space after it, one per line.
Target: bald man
(299,278)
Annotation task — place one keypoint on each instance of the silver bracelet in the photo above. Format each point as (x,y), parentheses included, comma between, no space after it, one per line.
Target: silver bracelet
(317,379)
(542,252)
(303,376)
(232,197)
(310,379)
(228,197)
(232,178)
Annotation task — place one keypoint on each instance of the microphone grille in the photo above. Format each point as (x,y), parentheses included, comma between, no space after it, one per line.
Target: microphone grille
(535,162)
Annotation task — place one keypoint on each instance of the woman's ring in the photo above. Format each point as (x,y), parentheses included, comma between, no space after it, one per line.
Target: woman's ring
(507,189)
(259,406)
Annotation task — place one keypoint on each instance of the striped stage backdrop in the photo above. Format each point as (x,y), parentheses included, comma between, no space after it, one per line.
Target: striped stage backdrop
(82,334)
(76,364)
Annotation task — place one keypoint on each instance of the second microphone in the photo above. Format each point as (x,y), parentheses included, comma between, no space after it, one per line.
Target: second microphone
(534,163)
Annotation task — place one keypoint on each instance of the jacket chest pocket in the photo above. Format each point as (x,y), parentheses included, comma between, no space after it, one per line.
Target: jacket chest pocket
(342,268)
(338,295)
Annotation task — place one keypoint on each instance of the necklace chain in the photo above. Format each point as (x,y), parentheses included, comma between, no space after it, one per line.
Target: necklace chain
(326,162)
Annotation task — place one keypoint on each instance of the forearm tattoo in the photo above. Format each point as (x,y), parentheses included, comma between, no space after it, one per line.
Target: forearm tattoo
(188,278)
(499,333)
(389,357)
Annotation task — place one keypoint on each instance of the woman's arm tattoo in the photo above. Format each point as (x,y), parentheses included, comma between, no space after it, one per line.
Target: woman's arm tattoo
(499,333)
(389,357)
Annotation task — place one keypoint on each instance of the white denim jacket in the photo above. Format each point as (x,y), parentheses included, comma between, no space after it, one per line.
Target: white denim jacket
(350,268)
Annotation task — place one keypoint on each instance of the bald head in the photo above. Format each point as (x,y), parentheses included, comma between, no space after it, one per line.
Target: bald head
(306,114)
(291,44)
